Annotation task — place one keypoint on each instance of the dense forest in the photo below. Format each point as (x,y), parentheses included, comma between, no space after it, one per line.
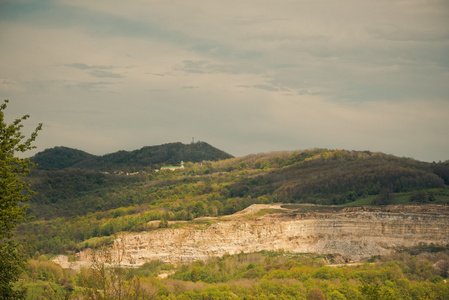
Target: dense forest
(419,273)
(74,205)
(146,158)
(83,200)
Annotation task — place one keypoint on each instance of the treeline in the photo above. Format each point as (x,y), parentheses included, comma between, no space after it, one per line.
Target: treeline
(337,177)
(146,158)
(73,205)
(72,234)
(72,192)
(263,275)
(312,176)
(60,158)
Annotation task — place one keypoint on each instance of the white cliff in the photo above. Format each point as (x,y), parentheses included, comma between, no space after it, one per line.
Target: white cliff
(355,233)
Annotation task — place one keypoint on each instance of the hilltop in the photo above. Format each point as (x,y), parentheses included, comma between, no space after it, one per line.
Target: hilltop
(324,176)
(148,157)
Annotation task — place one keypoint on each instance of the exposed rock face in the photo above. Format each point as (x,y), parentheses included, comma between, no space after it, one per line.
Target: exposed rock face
(355,233)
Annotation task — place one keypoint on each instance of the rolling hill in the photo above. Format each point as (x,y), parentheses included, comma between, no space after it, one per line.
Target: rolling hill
(85,204)
(145,158)
(318,176)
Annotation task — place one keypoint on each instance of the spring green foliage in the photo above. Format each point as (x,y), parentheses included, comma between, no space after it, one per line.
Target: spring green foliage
(13,195)
(78,192)
(263,275)
(312,176)
(13,172)
(337,177)
(77,206)
(12,264)
(81,208)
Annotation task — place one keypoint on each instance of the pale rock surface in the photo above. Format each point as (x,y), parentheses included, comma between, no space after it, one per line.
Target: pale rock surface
(355,233)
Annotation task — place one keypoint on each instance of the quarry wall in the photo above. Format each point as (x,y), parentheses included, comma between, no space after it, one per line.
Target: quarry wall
(355,233)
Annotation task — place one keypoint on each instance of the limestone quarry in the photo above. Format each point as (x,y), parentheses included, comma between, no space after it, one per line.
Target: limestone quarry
(355,233)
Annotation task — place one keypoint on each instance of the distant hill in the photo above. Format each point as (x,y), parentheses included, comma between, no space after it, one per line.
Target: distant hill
(147,157)
(72,182)
(60,158)
(334,176)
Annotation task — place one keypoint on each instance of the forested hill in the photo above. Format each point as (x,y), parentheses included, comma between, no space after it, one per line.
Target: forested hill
(336,177)
(58,158)
(77,208)
(319,176)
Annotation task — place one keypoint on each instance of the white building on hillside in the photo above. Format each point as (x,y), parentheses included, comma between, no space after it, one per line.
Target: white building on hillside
(172,168)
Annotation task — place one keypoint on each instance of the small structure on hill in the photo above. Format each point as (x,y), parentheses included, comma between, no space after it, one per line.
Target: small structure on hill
(172,168)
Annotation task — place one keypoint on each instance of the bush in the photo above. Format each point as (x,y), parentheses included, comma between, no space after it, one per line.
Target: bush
(385,197)
(422,196)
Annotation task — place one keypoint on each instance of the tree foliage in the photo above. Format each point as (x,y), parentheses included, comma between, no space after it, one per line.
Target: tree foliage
(422,196)
(261,275)
(13,172)
(385,197)
(149,157)
(336,177)
(79,207)
(14,191)
(12,264)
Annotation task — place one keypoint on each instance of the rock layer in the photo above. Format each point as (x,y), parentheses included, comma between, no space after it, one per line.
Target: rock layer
(355,233)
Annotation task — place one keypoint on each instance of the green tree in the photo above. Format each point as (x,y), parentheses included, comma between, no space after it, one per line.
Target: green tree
(385,197)
(421,196)
(12,264)
(163,223)
(316,294)
(195,274)
(232,206)
(14,191)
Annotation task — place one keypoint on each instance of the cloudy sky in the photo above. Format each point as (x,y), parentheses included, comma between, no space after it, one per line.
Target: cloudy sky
(246,76)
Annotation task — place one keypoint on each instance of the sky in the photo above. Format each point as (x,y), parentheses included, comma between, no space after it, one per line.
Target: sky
(247,76)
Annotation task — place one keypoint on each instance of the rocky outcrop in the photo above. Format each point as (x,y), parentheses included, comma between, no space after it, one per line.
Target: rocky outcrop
(355,233)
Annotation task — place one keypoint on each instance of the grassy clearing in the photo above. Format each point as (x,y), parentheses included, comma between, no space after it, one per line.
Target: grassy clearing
(301,208)
(360,202)
(96,242)
(263,212)
(199,224)
(203,224)
(441,196)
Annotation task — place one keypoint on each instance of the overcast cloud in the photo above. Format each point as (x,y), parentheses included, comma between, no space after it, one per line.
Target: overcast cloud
(245,76)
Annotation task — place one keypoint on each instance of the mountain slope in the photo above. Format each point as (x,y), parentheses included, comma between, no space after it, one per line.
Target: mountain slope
(60,158)
(76,205)
(336,177)
(146,157)
(316,176)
